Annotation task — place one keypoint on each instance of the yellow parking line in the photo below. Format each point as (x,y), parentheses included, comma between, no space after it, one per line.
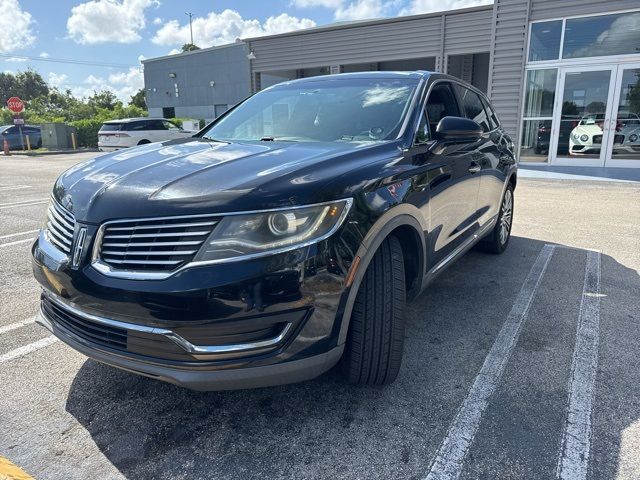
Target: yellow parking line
(10,471)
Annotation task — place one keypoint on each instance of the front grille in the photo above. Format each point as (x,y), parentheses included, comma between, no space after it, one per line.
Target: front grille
(60,227)
(161,244)
(618,139)
(84,328)
(597,139)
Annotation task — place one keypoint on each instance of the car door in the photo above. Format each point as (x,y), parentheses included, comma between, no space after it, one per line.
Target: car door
(12,135)
(157,131)
(450,178)
(488,155)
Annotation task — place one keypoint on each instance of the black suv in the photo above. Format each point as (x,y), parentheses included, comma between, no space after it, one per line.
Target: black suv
(284,238)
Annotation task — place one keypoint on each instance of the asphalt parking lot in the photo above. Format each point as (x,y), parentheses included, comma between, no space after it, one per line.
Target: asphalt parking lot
(523,365)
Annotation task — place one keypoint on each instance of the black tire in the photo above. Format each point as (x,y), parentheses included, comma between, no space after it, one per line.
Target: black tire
(498,240)
(373,354)
(143,142)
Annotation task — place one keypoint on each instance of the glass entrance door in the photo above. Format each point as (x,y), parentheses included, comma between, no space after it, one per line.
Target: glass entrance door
(582,115)
(624,143)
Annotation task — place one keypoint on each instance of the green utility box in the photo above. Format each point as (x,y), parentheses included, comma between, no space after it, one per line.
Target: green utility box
(57,135)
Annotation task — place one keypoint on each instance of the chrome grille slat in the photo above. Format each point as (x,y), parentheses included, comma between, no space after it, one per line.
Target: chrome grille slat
(151,244)
(154,244)
(177,225)
(161,252)
(60,227)
(145,262)
(61,219)
(156,235)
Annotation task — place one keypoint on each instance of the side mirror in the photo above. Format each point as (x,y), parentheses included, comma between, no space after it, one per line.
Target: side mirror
(458,129)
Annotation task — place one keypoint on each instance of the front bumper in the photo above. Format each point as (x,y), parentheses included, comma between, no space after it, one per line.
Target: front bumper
(263,322)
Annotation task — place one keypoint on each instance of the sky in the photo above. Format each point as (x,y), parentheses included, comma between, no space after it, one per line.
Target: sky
(98,44)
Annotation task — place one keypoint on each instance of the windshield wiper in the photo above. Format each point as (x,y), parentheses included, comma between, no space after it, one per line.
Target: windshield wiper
(267,139)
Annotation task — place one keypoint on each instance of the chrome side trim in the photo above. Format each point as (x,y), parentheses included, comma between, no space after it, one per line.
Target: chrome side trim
(472,239)
(108,271)
(182,342)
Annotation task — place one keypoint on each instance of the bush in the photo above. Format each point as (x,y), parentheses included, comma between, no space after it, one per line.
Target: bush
(87,131)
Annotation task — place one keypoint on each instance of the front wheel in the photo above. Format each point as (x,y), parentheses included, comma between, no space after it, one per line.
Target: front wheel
(375,342)
(498,239)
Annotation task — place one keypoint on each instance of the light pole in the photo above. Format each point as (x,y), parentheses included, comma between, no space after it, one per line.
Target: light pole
(190,25)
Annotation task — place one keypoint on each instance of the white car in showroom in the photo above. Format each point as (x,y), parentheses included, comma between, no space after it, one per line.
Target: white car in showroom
(586,137)
(129,132)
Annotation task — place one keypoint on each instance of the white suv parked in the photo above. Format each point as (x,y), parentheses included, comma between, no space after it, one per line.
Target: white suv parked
(129,132)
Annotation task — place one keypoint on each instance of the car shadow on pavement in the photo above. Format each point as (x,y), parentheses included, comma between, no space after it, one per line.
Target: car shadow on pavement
(325,428)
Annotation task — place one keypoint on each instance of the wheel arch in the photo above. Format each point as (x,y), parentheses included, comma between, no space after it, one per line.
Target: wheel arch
(406,223)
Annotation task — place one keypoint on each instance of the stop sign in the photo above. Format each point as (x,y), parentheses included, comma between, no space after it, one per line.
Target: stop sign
(15,105)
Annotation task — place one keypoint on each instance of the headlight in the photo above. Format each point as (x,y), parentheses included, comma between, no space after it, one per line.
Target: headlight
(584,138)
(249,235)
(633,137)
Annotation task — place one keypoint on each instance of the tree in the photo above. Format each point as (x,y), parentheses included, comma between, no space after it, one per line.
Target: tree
(27,85)
(104,99)
(190,47)
(139,99)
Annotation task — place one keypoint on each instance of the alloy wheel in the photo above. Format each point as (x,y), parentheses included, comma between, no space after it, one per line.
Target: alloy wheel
(506,217)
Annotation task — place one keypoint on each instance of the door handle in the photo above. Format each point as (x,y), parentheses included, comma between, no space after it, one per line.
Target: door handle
(474,167)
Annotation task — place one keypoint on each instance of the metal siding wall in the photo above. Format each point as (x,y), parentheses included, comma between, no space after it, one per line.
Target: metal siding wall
(468,32)
(227,67)
(543,9)
(510,19)
(357,44)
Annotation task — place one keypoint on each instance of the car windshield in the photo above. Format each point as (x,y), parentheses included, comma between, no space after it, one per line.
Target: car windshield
(111,127)
(320,111)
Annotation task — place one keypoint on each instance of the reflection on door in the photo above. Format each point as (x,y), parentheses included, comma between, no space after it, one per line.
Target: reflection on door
(583,114)
(627,138)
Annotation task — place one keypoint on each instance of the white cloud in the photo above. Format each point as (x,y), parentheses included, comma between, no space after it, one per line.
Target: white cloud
(100,21)
(360,10)
(226,27)
(57,80)
(426,6)
(157,21)
(15,60)
(44,55)
(15,27)
(122,84)
(174,51)
(317,3)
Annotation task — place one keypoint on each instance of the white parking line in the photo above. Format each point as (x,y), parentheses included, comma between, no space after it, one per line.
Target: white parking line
(573,460)
(449,460)
(2,245)
(14,326)
(32,347)
(19,234)
(13,187)
(26,203)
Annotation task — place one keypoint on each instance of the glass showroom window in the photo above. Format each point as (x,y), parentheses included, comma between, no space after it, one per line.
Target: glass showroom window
(540,90)
(545,41)
(602,35)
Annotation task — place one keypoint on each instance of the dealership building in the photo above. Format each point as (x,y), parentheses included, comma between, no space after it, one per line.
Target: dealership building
(563,75)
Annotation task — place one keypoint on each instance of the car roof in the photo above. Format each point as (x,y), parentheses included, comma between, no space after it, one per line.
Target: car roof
(128,120)
(417,74)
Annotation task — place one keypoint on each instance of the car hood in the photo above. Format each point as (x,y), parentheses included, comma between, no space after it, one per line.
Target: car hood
(196,176)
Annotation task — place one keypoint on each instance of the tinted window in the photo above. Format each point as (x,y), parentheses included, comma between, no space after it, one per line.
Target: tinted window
(545,41)
(155,125)
(135,126)
(361,109)
(441,103)
(493,118)
(111,127)
(602,35)
(473,108)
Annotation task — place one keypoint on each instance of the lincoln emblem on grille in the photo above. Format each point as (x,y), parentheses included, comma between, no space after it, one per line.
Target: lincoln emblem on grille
(77,251)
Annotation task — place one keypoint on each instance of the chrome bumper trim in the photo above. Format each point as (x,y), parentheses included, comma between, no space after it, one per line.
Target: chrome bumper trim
(182,342)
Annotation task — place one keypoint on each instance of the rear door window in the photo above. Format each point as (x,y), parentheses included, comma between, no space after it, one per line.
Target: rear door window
(473,108)
(137,126)
(156,125)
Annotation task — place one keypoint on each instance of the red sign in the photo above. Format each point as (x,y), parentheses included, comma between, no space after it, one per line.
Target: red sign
(15,105)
